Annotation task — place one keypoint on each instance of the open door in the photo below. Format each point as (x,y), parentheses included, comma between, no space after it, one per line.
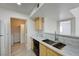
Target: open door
(18,34)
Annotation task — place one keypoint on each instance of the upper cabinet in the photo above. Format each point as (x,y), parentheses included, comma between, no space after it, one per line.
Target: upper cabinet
(39,22)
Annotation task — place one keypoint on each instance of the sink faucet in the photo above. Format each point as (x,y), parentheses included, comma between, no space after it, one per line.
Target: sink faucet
(56,38)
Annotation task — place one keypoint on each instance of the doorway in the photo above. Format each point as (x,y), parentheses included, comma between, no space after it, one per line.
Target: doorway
(18,35)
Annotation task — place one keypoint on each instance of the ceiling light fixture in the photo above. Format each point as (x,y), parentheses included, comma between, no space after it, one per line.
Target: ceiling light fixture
(18,3)
(39,5)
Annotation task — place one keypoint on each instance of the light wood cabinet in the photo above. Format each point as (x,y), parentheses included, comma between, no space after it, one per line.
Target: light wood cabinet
(32,44)
(52,53)
(45,51)
(39,23)
(42,50)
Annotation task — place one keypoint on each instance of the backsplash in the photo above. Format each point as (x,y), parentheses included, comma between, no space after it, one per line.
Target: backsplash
(64,39)
(49,36)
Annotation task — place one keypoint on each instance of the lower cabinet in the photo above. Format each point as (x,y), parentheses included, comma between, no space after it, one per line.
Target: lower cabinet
(52,53)
(45,51)
(42,50)
(32,45)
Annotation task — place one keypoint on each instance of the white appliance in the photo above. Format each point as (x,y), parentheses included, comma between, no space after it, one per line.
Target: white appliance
(1,36)
(1,28)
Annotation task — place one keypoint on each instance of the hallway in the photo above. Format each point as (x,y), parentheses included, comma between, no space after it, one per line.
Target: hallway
(21,50)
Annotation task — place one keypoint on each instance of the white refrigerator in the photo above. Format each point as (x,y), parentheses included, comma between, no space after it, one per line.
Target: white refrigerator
(1,36)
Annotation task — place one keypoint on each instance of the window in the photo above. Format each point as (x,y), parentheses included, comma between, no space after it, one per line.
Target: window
(65,27)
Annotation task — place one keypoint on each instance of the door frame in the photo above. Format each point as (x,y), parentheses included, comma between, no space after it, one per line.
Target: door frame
(25,30)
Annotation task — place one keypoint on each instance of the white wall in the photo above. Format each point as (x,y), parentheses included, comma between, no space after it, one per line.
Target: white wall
(31,30)
(54,12)
(65,10)
(65,14)
(50,14)
(75,12)
(5,16)
(50,25)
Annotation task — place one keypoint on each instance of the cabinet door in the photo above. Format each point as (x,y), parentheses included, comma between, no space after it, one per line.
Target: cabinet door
(52,53)
(37,24)
(42,50)
(41,23)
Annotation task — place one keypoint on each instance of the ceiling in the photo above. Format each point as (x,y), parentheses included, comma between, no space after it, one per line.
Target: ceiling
(68,5)
(53,8)
(24,8)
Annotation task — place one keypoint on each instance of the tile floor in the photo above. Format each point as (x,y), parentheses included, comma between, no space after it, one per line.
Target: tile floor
(21,50)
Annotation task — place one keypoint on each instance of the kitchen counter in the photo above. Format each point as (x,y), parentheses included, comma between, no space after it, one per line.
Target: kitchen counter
(68,50)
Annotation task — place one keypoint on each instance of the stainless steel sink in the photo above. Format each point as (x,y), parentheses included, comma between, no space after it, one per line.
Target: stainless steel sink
(58,45)
(48,41)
